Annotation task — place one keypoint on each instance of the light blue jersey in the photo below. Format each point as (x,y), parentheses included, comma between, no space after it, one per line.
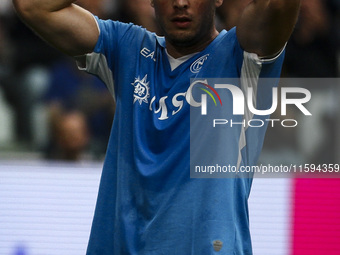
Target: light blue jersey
(147,202)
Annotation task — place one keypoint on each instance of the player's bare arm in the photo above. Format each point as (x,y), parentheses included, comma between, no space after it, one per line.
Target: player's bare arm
(266,25)
(63,24)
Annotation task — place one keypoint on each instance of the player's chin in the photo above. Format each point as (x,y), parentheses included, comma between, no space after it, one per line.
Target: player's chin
(182,38)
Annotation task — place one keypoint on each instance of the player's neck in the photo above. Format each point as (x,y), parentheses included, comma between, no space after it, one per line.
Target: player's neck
(177,51)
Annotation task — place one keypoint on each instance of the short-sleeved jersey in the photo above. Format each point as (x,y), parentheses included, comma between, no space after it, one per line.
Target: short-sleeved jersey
(147,202)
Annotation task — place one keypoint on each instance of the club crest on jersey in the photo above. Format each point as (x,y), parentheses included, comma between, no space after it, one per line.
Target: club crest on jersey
(142,90)
(198,64)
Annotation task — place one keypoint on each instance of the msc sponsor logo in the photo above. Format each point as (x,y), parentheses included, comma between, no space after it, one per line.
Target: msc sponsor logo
(242,101)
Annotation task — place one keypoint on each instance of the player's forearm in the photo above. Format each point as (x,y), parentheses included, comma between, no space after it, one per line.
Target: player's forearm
(276,4)
(29,8)
(266,25)
(64,25)
(280,14)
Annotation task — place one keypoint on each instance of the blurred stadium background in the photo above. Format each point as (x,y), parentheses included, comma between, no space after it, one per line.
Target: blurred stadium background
(49,181)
